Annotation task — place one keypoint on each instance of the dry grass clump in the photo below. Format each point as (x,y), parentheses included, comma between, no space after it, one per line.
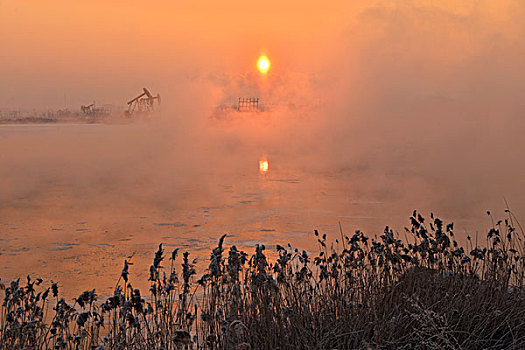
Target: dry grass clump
(424,292)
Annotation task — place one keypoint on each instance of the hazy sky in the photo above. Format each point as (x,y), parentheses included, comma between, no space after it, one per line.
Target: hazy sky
(73,52)
(108,50)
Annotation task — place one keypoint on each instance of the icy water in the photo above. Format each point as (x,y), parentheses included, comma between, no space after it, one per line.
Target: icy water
(76,200)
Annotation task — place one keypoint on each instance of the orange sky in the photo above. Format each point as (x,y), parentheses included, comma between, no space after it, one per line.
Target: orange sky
(85,50)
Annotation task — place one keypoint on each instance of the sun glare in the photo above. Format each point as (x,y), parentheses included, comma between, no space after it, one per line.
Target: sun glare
(263,64)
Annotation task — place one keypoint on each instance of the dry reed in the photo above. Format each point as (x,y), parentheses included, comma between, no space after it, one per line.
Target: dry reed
(424,292)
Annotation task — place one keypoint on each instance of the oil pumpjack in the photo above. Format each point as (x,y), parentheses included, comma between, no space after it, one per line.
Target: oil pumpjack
(93,113)
(89,109)
(143,103)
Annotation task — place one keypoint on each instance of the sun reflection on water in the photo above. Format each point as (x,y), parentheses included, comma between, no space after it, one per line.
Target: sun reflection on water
(263,166)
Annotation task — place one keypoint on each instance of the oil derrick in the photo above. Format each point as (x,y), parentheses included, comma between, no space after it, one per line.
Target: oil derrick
(250,104)
(143,103)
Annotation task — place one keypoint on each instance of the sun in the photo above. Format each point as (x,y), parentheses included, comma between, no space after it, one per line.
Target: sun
(263,64)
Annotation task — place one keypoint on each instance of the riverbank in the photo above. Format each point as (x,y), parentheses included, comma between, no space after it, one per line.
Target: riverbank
(423,290)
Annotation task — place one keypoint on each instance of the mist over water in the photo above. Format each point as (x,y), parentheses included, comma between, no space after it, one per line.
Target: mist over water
(402,107)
